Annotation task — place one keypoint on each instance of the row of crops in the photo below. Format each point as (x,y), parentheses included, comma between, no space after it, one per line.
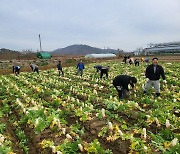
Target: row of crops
(46,113)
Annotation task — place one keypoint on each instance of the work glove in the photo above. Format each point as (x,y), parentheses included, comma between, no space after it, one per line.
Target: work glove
(147,79)
(119,87)
(164,81)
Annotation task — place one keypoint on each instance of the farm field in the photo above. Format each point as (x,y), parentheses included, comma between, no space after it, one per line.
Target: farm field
(47,114)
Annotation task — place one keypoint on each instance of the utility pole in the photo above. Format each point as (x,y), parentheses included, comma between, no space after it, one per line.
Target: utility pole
(40,43)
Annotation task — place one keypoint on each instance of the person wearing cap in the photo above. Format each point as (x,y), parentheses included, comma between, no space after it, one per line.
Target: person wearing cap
(153,73)
(16,70)
(34,68)
(98,68)
(59,67)
(104,70)
(121,83)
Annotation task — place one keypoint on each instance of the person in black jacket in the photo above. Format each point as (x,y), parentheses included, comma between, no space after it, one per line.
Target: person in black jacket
(98,68)
(59,67)
(121,83)
(153,73)
(125,59)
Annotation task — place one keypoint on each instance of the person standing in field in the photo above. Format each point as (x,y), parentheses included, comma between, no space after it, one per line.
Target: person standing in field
(104,70)
(16,70)
(125,59)
(121,83)
(153,73)
(34,68)
(59,67)
(80,67)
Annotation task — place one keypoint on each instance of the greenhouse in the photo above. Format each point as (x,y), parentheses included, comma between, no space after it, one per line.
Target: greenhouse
(100,55)
(163,48)
(44,55)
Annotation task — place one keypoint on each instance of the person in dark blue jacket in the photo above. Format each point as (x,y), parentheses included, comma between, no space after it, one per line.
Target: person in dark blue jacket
(59,67)
(98,68)
(80,67)
(16,70)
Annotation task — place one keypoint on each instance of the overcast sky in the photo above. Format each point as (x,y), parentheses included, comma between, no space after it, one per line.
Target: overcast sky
(123,24)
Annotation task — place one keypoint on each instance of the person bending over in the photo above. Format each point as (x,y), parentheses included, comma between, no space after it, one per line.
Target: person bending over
(121,83)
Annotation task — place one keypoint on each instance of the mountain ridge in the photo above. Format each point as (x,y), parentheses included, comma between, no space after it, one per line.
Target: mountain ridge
(80,49)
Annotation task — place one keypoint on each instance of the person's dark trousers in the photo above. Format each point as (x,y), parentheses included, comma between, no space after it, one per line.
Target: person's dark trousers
(103,72)
(17,71)
(137,63)
(157,94)
(36,70)
(61,71)
(122,93)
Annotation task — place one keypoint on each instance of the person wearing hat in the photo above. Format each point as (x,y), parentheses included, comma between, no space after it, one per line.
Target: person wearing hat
(153,73)
(59,67)
(121,83)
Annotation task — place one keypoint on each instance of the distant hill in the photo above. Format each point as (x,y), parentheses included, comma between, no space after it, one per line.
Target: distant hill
(81,50)
(7,54)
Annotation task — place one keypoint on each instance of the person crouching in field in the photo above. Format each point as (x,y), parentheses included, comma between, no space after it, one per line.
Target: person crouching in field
(136,62)
(59,67)
(98,68)
(34,68)
(16,70)
(131,61)
(80,67)
(104,70)
(153,73)
(121,83)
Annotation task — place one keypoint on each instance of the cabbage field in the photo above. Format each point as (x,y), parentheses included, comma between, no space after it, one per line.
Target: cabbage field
(44,113)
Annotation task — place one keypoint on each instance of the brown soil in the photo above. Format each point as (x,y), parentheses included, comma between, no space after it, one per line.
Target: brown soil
(11,134)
